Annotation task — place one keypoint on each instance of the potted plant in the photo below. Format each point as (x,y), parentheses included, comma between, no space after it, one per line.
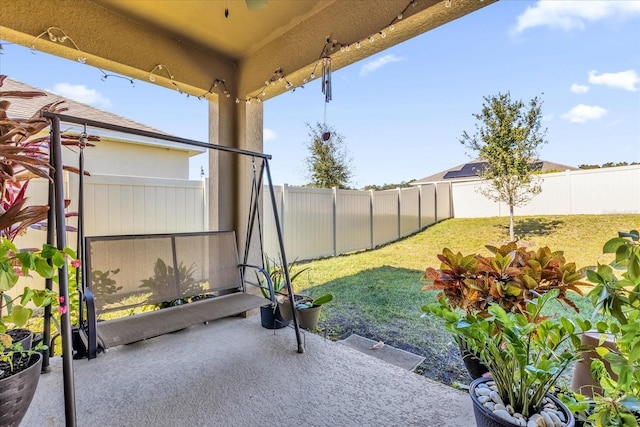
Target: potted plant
(307,309)
(23,156)
(510,278)
(615,401)
(525,353)
(270,314)
(20,366)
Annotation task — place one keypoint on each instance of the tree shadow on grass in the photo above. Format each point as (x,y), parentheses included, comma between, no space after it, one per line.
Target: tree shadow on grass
(384,304)
(531,227)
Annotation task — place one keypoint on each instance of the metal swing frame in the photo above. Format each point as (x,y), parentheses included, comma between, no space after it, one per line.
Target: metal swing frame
(57,217)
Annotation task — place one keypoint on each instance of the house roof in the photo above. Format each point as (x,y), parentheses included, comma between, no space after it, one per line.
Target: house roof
(467,171)
(23,108)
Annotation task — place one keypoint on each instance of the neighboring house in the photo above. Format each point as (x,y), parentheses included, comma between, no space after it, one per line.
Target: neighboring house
(469,171)
(136,184)
(114,154)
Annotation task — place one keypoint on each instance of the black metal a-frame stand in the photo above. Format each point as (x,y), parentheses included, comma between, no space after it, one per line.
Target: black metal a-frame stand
(57,216)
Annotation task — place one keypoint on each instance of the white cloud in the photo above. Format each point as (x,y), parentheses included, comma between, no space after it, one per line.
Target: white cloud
(583,113)
(373,65)
(576,88)
(268,134)
(627,80)
(570,15)
(82,94)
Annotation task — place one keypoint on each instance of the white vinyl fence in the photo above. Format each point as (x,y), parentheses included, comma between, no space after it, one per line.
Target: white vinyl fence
(135,205)
(327,222)
(590,191)
(319,222)
(127,205)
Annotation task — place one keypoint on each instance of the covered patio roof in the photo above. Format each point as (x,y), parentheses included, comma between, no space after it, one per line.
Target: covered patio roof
(190,44)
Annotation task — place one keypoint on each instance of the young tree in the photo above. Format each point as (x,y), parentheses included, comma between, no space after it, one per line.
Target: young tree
(328,164)
(507,138)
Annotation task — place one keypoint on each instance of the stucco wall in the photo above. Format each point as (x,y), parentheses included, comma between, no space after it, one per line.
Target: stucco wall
(110,157)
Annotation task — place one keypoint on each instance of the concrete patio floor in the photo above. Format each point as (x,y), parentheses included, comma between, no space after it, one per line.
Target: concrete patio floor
(233,372)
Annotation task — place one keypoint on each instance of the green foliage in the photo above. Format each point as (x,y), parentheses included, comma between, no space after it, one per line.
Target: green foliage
(608,165)
(510,278)
(164,277)
(525,352)
(16,312)
(102,283)
(308,302)
(619,297)
(275,270)
(328,164)
(403,184)
(508,138)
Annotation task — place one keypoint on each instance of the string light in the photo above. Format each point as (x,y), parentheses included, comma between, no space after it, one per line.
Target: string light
(57,35)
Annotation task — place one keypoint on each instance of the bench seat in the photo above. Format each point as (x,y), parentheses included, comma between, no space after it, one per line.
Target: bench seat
(126,330)
(201,270)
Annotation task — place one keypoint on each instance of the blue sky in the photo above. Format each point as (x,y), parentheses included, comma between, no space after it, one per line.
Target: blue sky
(402,111)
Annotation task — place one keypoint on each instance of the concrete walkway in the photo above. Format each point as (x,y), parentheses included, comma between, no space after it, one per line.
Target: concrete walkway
(233,372)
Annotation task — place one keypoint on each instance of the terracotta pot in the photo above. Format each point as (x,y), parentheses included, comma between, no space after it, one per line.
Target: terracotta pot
(582,380)
(485,418)
(16,393)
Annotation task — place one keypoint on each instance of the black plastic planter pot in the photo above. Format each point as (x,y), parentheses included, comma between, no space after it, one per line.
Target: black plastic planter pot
(16,393)
(486,418)
(475,368)
(271,319)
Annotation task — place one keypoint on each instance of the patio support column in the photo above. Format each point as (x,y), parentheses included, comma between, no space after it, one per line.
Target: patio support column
(230,176)
(222,183)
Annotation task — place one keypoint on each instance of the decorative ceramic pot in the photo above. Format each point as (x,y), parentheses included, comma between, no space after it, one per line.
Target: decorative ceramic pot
(16,393)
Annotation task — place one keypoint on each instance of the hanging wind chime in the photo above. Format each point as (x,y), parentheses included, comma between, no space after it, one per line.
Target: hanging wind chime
(326,90)
(326,78)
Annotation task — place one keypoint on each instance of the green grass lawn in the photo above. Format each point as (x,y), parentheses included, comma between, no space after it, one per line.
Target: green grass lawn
(377,293)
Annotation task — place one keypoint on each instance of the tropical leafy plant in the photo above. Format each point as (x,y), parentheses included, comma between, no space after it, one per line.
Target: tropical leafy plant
(511,277)
(23,156)
(275,270)
(525,352)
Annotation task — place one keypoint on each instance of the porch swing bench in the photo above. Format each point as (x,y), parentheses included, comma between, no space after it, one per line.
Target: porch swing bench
(193,277)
